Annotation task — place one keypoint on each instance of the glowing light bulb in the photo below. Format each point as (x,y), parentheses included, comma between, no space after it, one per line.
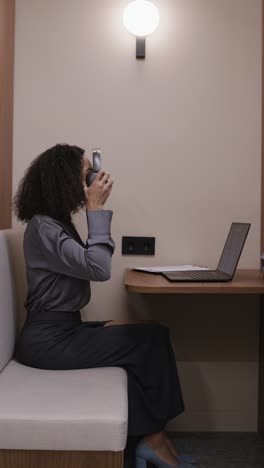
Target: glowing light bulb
(141,18)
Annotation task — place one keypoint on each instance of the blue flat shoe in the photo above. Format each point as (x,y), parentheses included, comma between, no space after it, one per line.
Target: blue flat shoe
(145,453)
(186,458)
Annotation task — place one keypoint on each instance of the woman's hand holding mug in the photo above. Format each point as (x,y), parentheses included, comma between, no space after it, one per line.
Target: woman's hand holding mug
(98,192)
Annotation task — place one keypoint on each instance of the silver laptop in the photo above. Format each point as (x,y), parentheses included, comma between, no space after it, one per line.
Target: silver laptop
(228,261)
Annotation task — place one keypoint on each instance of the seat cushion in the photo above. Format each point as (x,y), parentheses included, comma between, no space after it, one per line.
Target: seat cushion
(82,409)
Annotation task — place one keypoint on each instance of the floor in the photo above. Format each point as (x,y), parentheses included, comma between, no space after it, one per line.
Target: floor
(216,450)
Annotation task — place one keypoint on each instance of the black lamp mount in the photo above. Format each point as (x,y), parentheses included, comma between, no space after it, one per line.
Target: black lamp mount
(141,47)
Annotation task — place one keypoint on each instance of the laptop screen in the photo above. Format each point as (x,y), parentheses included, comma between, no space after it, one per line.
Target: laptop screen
(233,247)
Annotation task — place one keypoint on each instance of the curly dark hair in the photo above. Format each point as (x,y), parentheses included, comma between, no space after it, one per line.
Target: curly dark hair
(52,185)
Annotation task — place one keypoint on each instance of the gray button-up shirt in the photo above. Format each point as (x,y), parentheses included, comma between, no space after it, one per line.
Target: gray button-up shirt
(59,269)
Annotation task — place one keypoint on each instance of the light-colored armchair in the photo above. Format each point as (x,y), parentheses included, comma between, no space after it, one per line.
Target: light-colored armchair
(69,418)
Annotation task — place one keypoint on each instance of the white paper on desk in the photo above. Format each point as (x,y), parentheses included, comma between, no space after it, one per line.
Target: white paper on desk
(159,269)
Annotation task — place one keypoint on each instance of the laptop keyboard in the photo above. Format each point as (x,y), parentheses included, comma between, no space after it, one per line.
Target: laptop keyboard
(205,274)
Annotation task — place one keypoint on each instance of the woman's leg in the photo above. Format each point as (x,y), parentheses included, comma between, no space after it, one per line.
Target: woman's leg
(159,441)
(143,349)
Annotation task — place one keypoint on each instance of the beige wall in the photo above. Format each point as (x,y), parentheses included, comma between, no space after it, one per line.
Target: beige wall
(181,134)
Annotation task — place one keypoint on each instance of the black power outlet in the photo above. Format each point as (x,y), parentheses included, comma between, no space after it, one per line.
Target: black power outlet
(138,245)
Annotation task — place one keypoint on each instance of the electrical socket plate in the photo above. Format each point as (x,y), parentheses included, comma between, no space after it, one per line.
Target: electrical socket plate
(132,245)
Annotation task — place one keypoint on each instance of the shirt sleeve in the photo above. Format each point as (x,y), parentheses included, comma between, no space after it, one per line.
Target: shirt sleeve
(66,256)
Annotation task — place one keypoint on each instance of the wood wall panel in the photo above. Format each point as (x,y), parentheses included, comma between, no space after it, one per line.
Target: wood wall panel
(7,15)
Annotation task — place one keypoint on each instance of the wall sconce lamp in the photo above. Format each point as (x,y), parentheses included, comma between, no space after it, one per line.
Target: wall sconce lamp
(141,18)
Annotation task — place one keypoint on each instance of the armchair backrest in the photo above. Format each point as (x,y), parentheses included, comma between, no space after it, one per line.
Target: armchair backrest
(12,285)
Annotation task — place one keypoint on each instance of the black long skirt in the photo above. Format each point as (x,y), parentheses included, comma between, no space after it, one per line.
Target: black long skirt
(61,340)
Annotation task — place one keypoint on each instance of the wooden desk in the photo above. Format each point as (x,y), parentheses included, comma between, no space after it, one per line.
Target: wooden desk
(244,282)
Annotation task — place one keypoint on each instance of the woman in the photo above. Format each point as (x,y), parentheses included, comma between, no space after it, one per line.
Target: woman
(59,269)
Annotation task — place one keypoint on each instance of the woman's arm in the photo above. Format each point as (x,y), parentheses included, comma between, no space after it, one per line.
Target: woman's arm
(64,255)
